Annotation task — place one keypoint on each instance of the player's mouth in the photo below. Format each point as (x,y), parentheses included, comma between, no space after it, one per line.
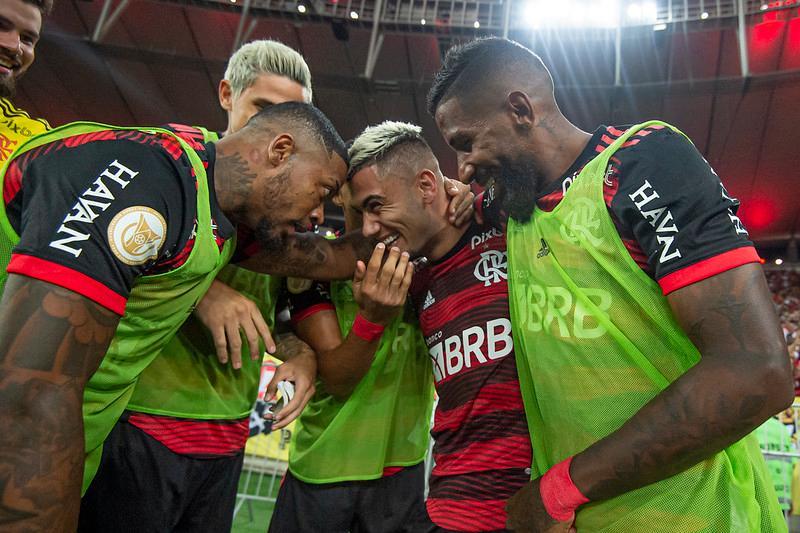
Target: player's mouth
(299,226)
(391,239)
(8,67)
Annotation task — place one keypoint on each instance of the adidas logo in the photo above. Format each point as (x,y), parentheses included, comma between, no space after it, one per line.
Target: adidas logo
(544,250)
(429,301)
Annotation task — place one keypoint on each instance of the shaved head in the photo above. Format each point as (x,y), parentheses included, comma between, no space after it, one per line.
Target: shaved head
(490,66)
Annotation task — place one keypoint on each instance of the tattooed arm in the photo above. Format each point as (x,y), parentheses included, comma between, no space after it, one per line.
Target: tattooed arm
(300,367)
(51,341)
(311,256)
(743,378)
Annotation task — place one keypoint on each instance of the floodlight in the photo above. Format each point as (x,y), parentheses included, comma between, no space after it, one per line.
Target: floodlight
(572,14)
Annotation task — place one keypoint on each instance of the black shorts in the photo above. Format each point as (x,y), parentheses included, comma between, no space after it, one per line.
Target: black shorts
(142,486)
(391,504)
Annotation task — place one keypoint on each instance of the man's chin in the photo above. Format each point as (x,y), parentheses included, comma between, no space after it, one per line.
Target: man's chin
(8,87)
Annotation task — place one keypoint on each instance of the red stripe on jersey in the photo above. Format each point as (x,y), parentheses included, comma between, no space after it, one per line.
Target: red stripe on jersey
(460,303)
(707,268)
(631,142)
(615,132)
(504,452)
(12,182)
(490,398)
(637,254)
(187,132)
(172,146)
(311,311)
(72,280)
(605,139)
(194,437)
(78,140)
(549,202)
(392,470)
(467,515)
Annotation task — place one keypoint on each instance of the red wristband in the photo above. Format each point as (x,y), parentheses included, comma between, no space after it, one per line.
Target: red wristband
(369,331)
(559,494)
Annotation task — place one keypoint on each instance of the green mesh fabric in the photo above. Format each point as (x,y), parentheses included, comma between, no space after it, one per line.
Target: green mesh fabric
(384,422)
(187,380)
(595,340)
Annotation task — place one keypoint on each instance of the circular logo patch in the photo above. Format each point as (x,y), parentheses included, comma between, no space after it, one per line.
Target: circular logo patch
(298,285)
(136,234)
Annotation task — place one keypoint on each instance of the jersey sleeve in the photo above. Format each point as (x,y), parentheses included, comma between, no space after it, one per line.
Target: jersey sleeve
(306,298)
(94,216)
(678,211)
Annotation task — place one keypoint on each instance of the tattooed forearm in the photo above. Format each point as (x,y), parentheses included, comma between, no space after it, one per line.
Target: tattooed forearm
(288,346)
(308,255)
(51,341)
(743,377)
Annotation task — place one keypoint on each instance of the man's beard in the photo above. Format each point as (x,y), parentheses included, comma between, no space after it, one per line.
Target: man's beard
(519,182)
(8,86)
(271,238)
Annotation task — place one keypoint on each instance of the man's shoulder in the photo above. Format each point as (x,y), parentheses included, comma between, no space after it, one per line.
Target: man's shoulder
(651,141)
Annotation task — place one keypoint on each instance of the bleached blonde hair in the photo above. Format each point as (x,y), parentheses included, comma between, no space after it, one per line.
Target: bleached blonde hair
(376,143)
(267,57)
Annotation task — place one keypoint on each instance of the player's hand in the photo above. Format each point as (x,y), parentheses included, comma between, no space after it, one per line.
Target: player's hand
(526,513)
(380,291)
(225,313)
(460,210)
(300,369)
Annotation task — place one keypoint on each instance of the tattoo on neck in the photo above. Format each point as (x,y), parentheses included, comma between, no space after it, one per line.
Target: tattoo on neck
(233,180)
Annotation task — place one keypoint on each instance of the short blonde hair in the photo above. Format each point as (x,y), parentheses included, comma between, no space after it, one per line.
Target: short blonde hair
(267,57)
(375,143)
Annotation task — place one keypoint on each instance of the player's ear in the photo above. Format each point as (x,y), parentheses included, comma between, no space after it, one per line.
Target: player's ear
(428,185)
(225,94)
(520,109)
(281,147)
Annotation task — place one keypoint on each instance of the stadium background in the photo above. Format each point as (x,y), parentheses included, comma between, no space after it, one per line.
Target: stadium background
(726,72)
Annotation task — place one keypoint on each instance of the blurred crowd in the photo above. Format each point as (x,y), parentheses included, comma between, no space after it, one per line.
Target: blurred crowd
(785,287)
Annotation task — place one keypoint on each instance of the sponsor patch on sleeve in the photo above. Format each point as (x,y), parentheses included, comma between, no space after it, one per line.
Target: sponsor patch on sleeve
(136,234)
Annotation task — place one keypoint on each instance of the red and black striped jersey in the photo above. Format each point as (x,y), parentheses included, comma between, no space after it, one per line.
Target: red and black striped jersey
(62,198)
(482,448)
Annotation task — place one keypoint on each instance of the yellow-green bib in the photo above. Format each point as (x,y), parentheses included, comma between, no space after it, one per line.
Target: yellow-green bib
(384,422)
(595,340)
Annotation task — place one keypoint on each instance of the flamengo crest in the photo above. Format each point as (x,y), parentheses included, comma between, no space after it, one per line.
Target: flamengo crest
(492,267)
